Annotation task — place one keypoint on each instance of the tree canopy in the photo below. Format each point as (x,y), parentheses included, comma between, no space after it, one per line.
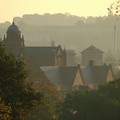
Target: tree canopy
(20,97)
(101,104)
(5,111)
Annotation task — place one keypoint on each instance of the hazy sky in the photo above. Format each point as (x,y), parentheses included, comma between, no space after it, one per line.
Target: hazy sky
(13,8)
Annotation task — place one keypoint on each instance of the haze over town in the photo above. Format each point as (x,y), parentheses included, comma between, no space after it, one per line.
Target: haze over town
(60,60)
(72,10)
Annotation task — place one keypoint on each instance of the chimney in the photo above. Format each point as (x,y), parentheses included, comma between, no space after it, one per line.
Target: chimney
(91,63)
(53,43)
(104,64)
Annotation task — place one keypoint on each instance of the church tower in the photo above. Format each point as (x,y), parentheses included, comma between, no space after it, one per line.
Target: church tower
(13,41)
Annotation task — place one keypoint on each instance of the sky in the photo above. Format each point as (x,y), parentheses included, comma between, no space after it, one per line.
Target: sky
(14,8)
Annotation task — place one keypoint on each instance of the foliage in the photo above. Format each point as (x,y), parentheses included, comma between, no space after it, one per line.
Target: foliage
(112,90)
(5,111)
(26,90)
(48,109)
(115,7)
(13,91)
(102,104)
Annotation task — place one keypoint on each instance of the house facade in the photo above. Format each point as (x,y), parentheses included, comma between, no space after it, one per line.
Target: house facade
(92,54)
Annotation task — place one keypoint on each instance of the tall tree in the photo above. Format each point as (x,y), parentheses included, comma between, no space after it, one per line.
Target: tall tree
(13,91)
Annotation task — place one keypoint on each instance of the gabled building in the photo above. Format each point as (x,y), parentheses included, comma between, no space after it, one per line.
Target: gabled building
(92,53)
(45,56)
(71,77)
(75,77)
(65,78)
(94,75)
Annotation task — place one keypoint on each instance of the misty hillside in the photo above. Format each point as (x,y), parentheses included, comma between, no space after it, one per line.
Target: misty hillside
(68,30)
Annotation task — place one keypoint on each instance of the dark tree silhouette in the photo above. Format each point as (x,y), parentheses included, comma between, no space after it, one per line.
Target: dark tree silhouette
(20,97)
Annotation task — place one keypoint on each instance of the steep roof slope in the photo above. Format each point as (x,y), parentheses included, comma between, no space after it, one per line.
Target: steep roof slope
(62,76)
(92,48)
(96,74)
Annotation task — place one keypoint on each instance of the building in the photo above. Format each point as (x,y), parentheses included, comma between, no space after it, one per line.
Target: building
(36,56)
(65,78)
(45,56)
(72,78)
(75,77)
(70,58)
(13,41)
(92,53)
(95,75)
(52,61)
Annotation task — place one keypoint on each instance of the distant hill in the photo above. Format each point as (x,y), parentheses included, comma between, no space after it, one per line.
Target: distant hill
(58,19)
(68,30)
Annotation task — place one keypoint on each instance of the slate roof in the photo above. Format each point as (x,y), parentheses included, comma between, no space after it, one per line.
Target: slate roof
(68,76)
(96,74)
(61,76)
(40,50)
(92,48)
(41,56)
(52,73)
(64,76)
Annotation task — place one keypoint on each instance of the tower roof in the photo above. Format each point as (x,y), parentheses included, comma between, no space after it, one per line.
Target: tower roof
(13,28)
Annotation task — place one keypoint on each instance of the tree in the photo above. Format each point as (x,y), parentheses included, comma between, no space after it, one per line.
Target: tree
(115,7)
(89,106)
(48,109)
(112,90)
(13,91)
(5,111)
